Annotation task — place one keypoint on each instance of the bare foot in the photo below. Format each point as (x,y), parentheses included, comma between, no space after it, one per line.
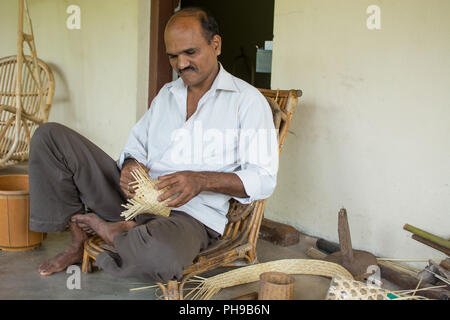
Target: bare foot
(86,228)
(71,255)
(106,230)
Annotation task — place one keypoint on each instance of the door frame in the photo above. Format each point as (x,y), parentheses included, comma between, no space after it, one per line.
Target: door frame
(160,71)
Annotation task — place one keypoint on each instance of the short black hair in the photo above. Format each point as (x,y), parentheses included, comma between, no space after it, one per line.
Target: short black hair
(209,24)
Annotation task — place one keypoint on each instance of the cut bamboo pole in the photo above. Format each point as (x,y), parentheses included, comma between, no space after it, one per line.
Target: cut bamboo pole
(431,244)
(428,236)
(404,259)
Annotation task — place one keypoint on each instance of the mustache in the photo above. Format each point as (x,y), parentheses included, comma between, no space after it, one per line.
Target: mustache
(180,71)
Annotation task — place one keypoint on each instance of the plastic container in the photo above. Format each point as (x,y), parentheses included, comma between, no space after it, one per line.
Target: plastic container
(14,215)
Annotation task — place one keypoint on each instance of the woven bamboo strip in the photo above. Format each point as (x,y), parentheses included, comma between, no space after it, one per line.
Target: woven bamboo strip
(235,229)
(211,286)
(9,80)
(347,289)
(26,94)
(428,236)
(145,199)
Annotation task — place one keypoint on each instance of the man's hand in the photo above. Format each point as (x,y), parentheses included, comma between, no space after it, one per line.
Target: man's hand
(126,177)
(190,183)
(187,183)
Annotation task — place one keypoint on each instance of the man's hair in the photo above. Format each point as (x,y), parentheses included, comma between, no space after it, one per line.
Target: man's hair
(207,21)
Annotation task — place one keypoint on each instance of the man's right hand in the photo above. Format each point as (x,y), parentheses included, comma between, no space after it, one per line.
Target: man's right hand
(126,177)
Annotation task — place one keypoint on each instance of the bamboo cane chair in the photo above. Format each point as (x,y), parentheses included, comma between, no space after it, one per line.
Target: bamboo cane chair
(27,87)
(237,246)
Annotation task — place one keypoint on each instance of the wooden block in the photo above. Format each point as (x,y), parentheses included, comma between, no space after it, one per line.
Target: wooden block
(278,233)
(327,246)
(445,264)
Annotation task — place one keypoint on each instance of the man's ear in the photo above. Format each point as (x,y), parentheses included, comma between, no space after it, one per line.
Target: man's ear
(216,42)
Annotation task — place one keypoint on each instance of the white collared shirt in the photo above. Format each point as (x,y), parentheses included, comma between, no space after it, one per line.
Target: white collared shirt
(231,131)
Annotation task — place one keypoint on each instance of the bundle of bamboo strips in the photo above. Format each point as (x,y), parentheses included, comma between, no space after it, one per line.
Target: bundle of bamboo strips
(210,286)
(145,199)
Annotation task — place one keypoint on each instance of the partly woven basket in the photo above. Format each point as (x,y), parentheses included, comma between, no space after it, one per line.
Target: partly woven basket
(347,289)
(145,199)
(210,286)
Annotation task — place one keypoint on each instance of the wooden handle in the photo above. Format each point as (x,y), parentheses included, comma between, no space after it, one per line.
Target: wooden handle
(345,239)
(431,244)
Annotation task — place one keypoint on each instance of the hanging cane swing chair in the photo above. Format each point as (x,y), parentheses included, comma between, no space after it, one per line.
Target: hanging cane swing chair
(27,87)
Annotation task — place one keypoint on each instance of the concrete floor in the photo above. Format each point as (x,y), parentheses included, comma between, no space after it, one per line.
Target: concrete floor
(19,278)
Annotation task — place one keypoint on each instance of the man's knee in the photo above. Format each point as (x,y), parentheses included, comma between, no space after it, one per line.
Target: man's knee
(156,261)
(161,265)
(46,132)
(49,128)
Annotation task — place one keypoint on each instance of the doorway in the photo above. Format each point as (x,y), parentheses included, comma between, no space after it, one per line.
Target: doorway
(244,26)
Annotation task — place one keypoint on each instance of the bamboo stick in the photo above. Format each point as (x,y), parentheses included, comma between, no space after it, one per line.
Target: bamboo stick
(403,259)
(428,236)
(431,244)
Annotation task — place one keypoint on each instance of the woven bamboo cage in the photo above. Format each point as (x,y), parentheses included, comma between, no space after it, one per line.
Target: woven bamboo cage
(27,87)
(145,199)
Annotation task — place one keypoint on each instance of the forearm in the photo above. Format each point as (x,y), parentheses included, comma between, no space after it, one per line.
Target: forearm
(226,183)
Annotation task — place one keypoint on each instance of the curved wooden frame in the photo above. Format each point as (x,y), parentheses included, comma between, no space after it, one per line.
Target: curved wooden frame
(27,87)
(237,246)
(17,128)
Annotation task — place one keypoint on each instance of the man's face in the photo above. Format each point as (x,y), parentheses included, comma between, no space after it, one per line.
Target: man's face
(189,53)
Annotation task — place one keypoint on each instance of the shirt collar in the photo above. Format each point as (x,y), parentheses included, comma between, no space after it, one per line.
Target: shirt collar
(224,81)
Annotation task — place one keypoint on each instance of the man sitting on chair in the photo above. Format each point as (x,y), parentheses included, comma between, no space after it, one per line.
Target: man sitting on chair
(208,135)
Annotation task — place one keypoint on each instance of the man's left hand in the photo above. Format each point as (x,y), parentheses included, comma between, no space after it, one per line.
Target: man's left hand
(187,183)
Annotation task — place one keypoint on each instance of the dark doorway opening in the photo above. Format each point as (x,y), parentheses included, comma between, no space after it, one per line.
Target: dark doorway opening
(244,25)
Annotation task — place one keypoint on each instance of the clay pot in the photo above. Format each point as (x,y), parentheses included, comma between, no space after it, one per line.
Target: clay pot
(14,215)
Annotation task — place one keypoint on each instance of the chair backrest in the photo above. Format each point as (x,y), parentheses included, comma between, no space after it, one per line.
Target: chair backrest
(36,96)
(244,220)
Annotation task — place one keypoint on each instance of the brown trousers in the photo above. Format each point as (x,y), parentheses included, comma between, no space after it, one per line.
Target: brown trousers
(68,173)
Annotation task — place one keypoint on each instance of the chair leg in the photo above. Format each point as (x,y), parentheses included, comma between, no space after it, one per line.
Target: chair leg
(86,266)
(173,292)
(252,258)
(170,290)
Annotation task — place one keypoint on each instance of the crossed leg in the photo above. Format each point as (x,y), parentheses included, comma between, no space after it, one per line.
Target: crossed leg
(67,172)
(106,230)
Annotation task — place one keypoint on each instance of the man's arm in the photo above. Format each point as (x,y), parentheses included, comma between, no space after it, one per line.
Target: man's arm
(136,146)
(190,183)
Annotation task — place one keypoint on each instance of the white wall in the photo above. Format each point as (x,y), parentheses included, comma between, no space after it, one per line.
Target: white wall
(372,131)
(101,70)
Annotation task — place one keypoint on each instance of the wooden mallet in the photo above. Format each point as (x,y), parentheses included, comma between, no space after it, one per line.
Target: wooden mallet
(355,261)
